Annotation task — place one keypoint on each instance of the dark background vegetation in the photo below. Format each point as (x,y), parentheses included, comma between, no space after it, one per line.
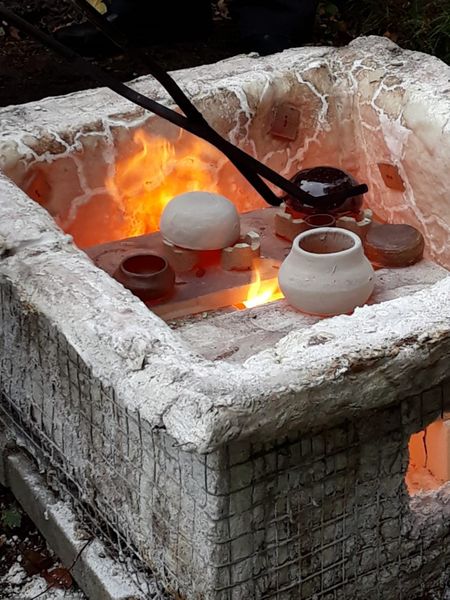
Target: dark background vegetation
(417,24)
(29,72)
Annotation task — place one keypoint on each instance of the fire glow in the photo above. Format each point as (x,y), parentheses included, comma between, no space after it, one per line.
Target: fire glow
(429,458)
(156,170)
(261,292)
(144,182)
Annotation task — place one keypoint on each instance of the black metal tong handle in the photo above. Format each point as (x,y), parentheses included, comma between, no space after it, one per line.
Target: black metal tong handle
(174,90)
(251,168)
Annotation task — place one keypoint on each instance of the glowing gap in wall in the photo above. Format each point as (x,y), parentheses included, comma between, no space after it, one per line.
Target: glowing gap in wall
(429,457)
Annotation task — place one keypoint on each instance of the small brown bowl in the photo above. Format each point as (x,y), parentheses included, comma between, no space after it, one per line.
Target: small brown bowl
(148,276)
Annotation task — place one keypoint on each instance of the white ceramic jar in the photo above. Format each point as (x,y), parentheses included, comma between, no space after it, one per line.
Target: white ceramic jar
(326,272)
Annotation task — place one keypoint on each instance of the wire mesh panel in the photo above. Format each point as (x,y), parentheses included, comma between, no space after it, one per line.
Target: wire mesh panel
(320,516)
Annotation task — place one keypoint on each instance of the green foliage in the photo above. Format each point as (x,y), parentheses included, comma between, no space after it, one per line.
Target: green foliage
(417,24)
(331,28)
(330,9)
(10,517)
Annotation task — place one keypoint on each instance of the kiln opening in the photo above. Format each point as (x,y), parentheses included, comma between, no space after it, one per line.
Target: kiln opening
(429,457)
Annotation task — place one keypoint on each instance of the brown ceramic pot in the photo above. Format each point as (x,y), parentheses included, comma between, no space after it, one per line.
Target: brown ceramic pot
(146,275)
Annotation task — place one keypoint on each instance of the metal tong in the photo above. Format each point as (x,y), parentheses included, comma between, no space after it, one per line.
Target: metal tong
(192,120)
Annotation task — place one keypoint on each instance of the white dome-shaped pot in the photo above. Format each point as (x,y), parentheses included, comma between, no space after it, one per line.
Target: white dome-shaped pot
(200,221)
(326,272)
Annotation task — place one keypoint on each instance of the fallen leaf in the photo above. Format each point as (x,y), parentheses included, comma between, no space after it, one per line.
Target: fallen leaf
(391,35)
(14,33)
(11,518)
(58,578)
(331,9)
(35,562)
(99,6)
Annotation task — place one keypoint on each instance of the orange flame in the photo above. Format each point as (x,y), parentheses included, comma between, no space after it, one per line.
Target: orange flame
(148,178)
(146,181)
(261,292)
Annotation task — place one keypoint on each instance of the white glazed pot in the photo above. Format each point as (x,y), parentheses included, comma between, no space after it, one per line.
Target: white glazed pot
(326,272)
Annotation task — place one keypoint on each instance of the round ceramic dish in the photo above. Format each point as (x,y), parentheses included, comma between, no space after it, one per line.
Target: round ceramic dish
(392,245)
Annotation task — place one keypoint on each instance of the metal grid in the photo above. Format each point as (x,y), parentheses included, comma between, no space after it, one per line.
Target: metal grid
(317,517)
(92,519)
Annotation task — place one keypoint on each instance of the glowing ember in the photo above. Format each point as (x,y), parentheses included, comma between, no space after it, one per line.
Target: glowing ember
(262,292)
(146,181)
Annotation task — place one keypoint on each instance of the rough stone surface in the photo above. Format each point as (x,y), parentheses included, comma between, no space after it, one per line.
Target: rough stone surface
(181,454)
(362,106)
(302,516)
(235,336)
(375,357)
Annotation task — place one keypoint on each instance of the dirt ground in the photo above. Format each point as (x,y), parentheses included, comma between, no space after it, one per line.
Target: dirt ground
(29,72)
(28,569)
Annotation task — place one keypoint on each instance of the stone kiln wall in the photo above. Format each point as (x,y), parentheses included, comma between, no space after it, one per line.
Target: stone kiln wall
(312,516)
(152,441)
(361,107)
